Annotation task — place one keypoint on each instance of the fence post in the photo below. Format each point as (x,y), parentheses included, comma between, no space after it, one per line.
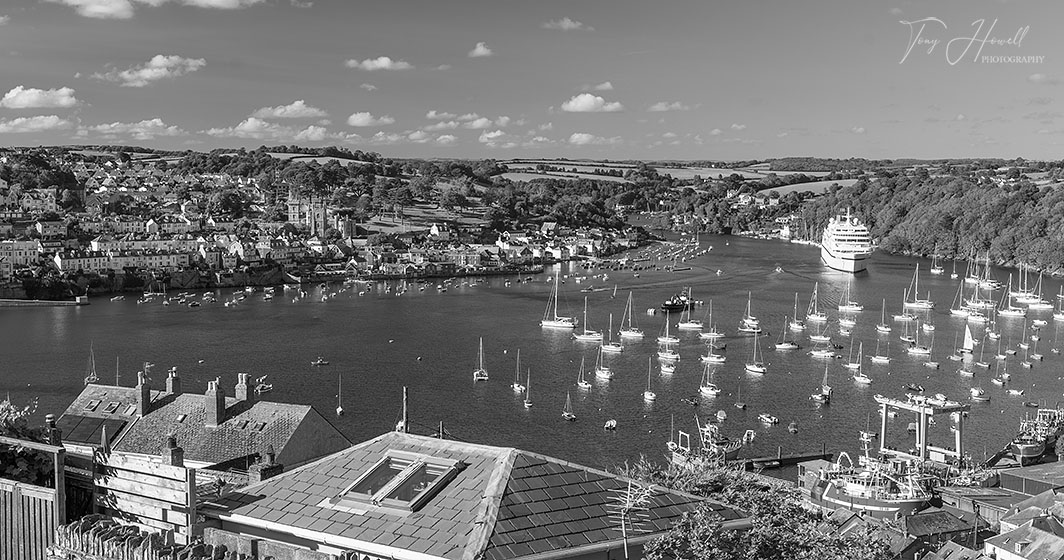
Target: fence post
(60,487)
(19,521)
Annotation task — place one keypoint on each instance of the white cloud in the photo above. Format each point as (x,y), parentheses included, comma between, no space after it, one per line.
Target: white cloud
(661,106)
(368,87)
(588,103)
(481,123)
(502,121)
(959,117)
(379,63)
(604,86)
(314,133)
(434,114)
(782,135)
(585,139)
(546,126)
(252,127)
(858,130)
(538,141)
(1043,79)
(896,11)
(489,137)
(468,117)
(669,135)
(446,139)
(566,24)
(386,138)
(34,124)
(419,136)
(481,50)
(716,132)
(442,125)
(158,68)
(443,67)
(32,98)
(4,20)
(302,3)
(143,130)
(123,9)
(367,119)
(736,126)
(295,110)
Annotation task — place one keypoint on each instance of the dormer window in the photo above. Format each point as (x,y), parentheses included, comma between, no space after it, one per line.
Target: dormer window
(400,481)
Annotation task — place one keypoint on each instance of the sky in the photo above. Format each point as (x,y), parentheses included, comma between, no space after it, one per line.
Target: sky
(617,79)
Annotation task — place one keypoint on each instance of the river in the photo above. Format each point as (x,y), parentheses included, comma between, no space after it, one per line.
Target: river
(427,340)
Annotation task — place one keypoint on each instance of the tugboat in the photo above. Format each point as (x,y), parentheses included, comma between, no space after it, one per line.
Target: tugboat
(679,302)
(714,445)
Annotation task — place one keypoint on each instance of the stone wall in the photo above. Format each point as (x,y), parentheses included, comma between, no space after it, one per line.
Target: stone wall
(95,537)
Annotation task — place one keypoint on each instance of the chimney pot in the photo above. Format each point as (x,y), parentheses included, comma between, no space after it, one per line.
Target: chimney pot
(244,390)
(143,394)
(173,382)
(215,403)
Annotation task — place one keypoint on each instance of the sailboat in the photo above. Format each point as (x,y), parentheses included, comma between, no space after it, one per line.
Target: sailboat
(757,361)
(686,322)
(601,369)
(580,381)
(587,334)
(958,309)
(1005,307)
(883,358)
(707,387)
(953,275)
(712,357)
(783,343)
(480,374)
(936,265)
(749,323)
(551,319)
(649,395)
(821,334)
(855,364)
(567,412)
(847,305)
(1037,302)
(883,326)
(667,338)
(982,349)
(823,394)
(861,377)
(517,386)
(629,330)
(739,397)
(1058,315)
(969,341)
(528,389)
(915,348)
(90,374)
(712,333)
(813,313)
(796,324)
(339,392)
(612,346)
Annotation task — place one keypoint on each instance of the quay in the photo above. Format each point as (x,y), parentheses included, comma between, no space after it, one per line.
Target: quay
(782,460)
(78,300)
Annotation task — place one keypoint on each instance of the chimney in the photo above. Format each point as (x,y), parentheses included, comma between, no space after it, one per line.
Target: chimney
(244,392)
(172,454)
(173,382)
(268,467)
(215,403)
(143,394)
(54,434)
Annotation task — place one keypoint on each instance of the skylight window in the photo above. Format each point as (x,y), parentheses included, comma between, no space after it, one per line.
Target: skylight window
(111,407)
(399,481)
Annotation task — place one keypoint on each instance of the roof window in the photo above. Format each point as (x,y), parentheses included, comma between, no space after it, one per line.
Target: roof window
(401,481)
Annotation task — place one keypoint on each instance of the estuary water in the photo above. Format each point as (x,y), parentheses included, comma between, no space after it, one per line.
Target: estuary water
(427,339)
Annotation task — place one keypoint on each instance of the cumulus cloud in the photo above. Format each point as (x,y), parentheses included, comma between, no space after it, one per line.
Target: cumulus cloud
(4,20)
(604,86)
(252,127)
(488,137)
(546,126)
(477,124)
(32,98)
(566,24)
(1043,79)
(143,130)
(123,9)
(302,3)
(480,50)
(160,67)
(589,103)
(34,124)
(439,115)
(443,67)
(896,11)
(857,130)
(368,87)
(446,139)
(585,139)
(367,119)
(295,110)
(469,117)
(379,63)
(419,136)
(716,132)
(736,126)
(662,106)
(314,133)
(442,125)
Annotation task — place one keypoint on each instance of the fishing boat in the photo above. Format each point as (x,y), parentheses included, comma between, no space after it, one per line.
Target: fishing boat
(528,389)
(796,324)
(601,369)
(715,447)
(846,244)
(611,346)
(813,313)
(823,393)
(519,387)
(847,305)
(580,381)
(480,374)
(551,319)
(320,362)
(587,334)
(649,395)
(628,327)
(678,302)
(567,412)
(686,322)
(757,361)
(783,343)
(1037,435)
(713,332)
(707,387)
(749,324)
(914,287)
(883,326)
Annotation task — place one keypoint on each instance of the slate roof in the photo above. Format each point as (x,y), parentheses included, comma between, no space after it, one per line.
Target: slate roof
(953,551)
(1039,544)
(506,503)
(933,523)
(95,401)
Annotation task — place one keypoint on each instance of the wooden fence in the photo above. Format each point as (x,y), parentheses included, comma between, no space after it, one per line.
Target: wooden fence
(29,514)
(157,496)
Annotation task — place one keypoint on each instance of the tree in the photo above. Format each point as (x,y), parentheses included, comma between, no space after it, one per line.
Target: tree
(21,464)
(452,199)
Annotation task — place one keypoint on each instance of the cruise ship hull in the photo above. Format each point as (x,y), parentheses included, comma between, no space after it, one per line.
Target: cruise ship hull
(846,263)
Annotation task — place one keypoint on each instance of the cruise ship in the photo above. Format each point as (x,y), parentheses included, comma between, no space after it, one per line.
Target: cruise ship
(846,244)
